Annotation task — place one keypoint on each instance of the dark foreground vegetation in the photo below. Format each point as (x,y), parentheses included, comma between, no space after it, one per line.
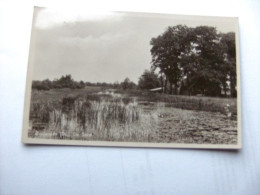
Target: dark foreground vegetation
(95,113)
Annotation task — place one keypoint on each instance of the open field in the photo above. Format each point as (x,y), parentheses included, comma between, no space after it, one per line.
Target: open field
(99,114)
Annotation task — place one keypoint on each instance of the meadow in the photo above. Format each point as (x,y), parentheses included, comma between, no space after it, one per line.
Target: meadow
(100,114)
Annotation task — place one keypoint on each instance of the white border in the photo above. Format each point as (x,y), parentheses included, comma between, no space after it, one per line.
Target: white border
(27,140)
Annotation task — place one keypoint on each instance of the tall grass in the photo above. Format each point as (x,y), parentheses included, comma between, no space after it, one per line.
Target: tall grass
(93,117)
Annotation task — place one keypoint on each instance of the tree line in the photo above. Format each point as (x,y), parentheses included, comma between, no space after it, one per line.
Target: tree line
(68,82)
(64,82)
(194,61)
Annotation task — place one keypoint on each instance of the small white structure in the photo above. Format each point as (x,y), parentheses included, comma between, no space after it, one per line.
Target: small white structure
(156,89)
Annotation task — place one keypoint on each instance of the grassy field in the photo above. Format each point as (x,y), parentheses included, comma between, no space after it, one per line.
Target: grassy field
(94,113)
(213,104)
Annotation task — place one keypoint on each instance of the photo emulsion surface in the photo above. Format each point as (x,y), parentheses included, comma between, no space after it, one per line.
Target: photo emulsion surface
(133,79)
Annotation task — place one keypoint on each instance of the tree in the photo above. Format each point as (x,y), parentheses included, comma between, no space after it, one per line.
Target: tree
(66,81)
(149,80)
(116,84)
(228,40)
(203,64)
(63,82)
(197,60)
(41,85)
(127,84)
(166,51)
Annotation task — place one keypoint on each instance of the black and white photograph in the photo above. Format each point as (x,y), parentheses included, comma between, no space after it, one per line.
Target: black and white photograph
(133,80)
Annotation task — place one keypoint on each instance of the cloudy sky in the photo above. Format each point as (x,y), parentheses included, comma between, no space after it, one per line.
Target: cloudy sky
(101,47)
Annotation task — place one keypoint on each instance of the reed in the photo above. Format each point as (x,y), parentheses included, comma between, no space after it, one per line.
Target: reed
(108,119)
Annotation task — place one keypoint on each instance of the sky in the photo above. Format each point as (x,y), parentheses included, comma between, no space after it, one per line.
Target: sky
(101,47)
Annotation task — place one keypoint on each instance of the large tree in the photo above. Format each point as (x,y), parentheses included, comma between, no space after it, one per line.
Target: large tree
(166,50)
(199,60)
(204,64)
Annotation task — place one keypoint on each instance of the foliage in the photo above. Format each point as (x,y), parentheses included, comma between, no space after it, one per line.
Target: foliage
(55,115)
(83,118)
(149,80)
(228,40)
(196,60)
(68,82)
(63,82)
(127,84)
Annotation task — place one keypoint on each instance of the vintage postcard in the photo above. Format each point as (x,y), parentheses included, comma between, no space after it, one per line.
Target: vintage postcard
(133,80)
